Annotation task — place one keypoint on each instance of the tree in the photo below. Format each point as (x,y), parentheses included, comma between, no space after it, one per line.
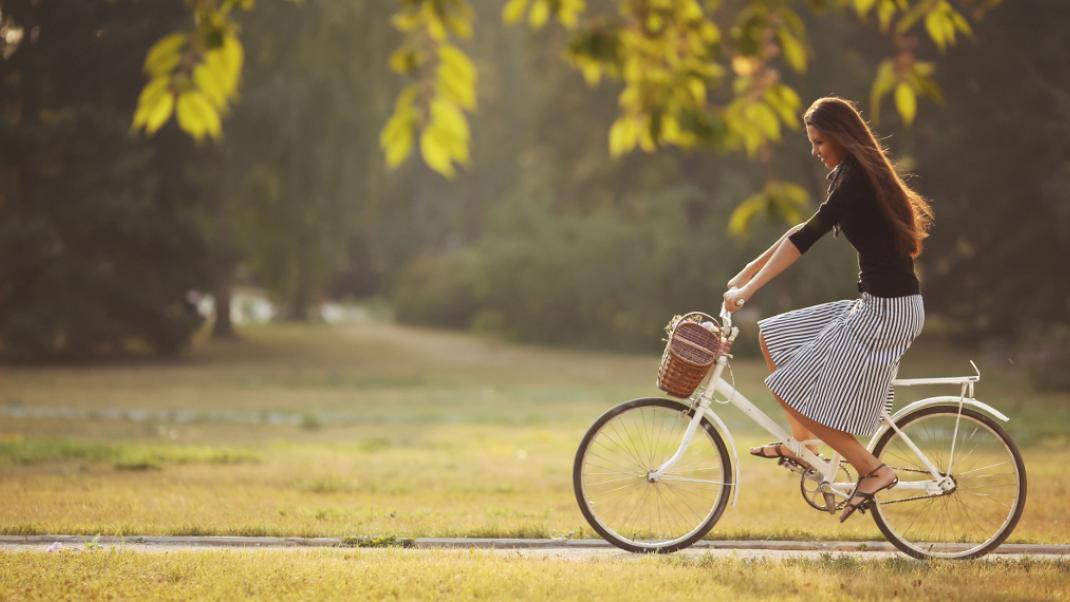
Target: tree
(300,158)
(695,73)
(98,230)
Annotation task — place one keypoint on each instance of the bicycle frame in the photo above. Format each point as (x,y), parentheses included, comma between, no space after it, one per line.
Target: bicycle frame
(714,383)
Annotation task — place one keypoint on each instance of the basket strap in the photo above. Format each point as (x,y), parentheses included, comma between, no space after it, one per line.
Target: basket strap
(695,345)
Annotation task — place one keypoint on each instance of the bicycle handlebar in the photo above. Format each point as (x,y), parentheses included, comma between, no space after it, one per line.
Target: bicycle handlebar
(726,319)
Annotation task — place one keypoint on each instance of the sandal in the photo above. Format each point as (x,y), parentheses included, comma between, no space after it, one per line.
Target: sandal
(868,497)
(778,453)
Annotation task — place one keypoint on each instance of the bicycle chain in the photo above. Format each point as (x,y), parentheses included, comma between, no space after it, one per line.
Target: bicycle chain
(916,498)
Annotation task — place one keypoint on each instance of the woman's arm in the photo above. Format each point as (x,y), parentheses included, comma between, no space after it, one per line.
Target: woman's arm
(759,262)
(786,253)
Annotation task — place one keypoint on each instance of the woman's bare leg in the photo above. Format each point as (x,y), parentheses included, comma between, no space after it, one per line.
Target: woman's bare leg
(803,428)
(798,431)
(848,446)
(844,443)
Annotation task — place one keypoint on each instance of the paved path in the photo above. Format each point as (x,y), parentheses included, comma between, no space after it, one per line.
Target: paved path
(573,549)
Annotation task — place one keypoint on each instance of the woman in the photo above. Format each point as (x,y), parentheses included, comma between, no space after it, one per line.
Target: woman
(832,364)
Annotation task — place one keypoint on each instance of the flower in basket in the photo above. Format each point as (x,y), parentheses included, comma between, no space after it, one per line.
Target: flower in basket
(671,326)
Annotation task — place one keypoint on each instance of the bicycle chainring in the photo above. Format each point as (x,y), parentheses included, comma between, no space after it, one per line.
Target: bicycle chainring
(810,487)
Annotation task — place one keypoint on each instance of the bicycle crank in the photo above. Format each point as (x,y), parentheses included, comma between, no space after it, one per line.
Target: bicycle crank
(818,494)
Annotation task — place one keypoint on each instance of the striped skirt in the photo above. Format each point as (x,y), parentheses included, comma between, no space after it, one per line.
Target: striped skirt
(835,361)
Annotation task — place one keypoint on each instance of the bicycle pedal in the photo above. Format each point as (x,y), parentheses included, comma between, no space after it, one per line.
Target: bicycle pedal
(791,465)
(830,503)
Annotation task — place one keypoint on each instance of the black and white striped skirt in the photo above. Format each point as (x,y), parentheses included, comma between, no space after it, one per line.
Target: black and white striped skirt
(835,361)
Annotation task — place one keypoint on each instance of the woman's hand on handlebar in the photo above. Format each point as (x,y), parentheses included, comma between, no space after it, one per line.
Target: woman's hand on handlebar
(734,298)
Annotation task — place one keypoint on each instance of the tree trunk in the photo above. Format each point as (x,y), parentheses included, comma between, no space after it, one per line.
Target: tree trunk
(222,328)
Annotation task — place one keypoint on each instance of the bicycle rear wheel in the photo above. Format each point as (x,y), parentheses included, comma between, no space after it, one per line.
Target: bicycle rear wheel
(988,496)
(611,477)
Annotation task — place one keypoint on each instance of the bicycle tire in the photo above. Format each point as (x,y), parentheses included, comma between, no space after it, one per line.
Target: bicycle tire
(918,550)
(633,545)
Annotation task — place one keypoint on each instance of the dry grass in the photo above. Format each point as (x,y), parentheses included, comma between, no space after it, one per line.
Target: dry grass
(412,433)
(472,575)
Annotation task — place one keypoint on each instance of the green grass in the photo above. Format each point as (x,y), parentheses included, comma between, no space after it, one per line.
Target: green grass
(403,432)
(18,449)
(473,575)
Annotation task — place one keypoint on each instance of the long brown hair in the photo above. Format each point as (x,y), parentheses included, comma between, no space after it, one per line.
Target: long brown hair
(909,213)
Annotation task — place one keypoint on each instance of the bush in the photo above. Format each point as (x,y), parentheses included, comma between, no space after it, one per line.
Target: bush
(439,290)
(608,278)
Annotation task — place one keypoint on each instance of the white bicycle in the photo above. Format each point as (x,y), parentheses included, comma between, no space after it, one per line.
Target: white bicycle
(655,474)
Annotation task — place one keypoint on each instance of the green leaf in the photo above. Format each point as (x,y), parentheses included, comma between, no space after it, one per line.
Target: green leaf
(197,116)
(568,12)
(911,17)
(623,136)
(165,54)
(460,26)
(960,22)
(456,90)
(949,28)
(396,137)
(446,115)
(923,82)
(205,80)
(936,26)
(403,61)
(406,97)
(784,107)
(154,105)
(745,213)
(778,200)
(790,97)
(435,153)
(406,21)
(514,11)
(698,90)
(882,85)
(786,201)
(862,6)
(457,62)
(763,117)
(885,12)
(540,12)
(794,52)
(592,72)
(233,52)
(225,74)
(906,102)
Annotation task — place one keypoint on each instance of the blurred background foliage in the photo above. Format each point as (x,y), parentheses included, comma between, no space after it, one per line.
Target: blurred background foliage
(549,230)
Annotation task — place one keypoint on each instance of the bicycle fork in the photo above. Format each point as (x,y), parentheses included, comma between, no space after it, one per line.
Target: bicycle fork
(689,433)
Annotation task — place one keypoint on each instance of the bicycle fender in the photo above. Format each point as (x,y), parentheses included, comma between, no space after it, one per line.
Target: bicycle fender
(934,401)
(722,428)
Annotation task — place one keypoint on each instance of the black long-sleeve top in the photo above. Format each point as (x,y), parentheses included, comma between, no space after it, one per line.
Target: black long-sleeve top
(852,207)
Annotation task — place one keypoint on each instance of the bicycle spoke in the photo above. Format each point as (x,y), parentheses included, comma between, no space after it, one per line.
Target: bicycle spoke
(980,508)
(620,499)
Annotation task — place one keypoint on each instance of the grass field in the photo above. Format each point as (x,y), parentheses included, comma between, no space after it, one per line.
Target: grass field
(376,429)
(480,575)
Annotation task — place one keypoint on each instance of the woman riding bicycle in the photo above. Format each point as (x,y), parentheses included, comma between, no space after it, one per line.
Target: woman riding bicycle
(832,364)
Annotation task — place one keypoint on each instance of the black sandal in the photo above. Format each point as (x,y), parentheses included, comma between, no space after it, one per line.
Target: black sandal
(868,497)
(778,454)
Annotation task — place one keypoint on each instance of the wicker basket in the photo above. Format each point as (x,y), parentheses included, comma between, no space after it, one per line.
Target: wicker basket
(689,354)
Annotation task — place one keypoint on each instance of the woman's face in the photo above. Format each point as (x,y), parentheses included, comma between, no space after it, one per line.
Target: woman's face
(824,148)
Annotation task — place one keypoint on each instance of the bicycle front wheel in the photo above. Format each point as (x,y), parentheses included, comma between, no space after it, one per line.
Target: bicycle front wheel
(612,477)
(987,477)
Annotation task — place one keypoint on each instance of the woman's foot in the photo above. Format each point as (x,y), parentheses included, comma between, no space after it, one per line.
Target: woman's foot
(879,479)
(779,450)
